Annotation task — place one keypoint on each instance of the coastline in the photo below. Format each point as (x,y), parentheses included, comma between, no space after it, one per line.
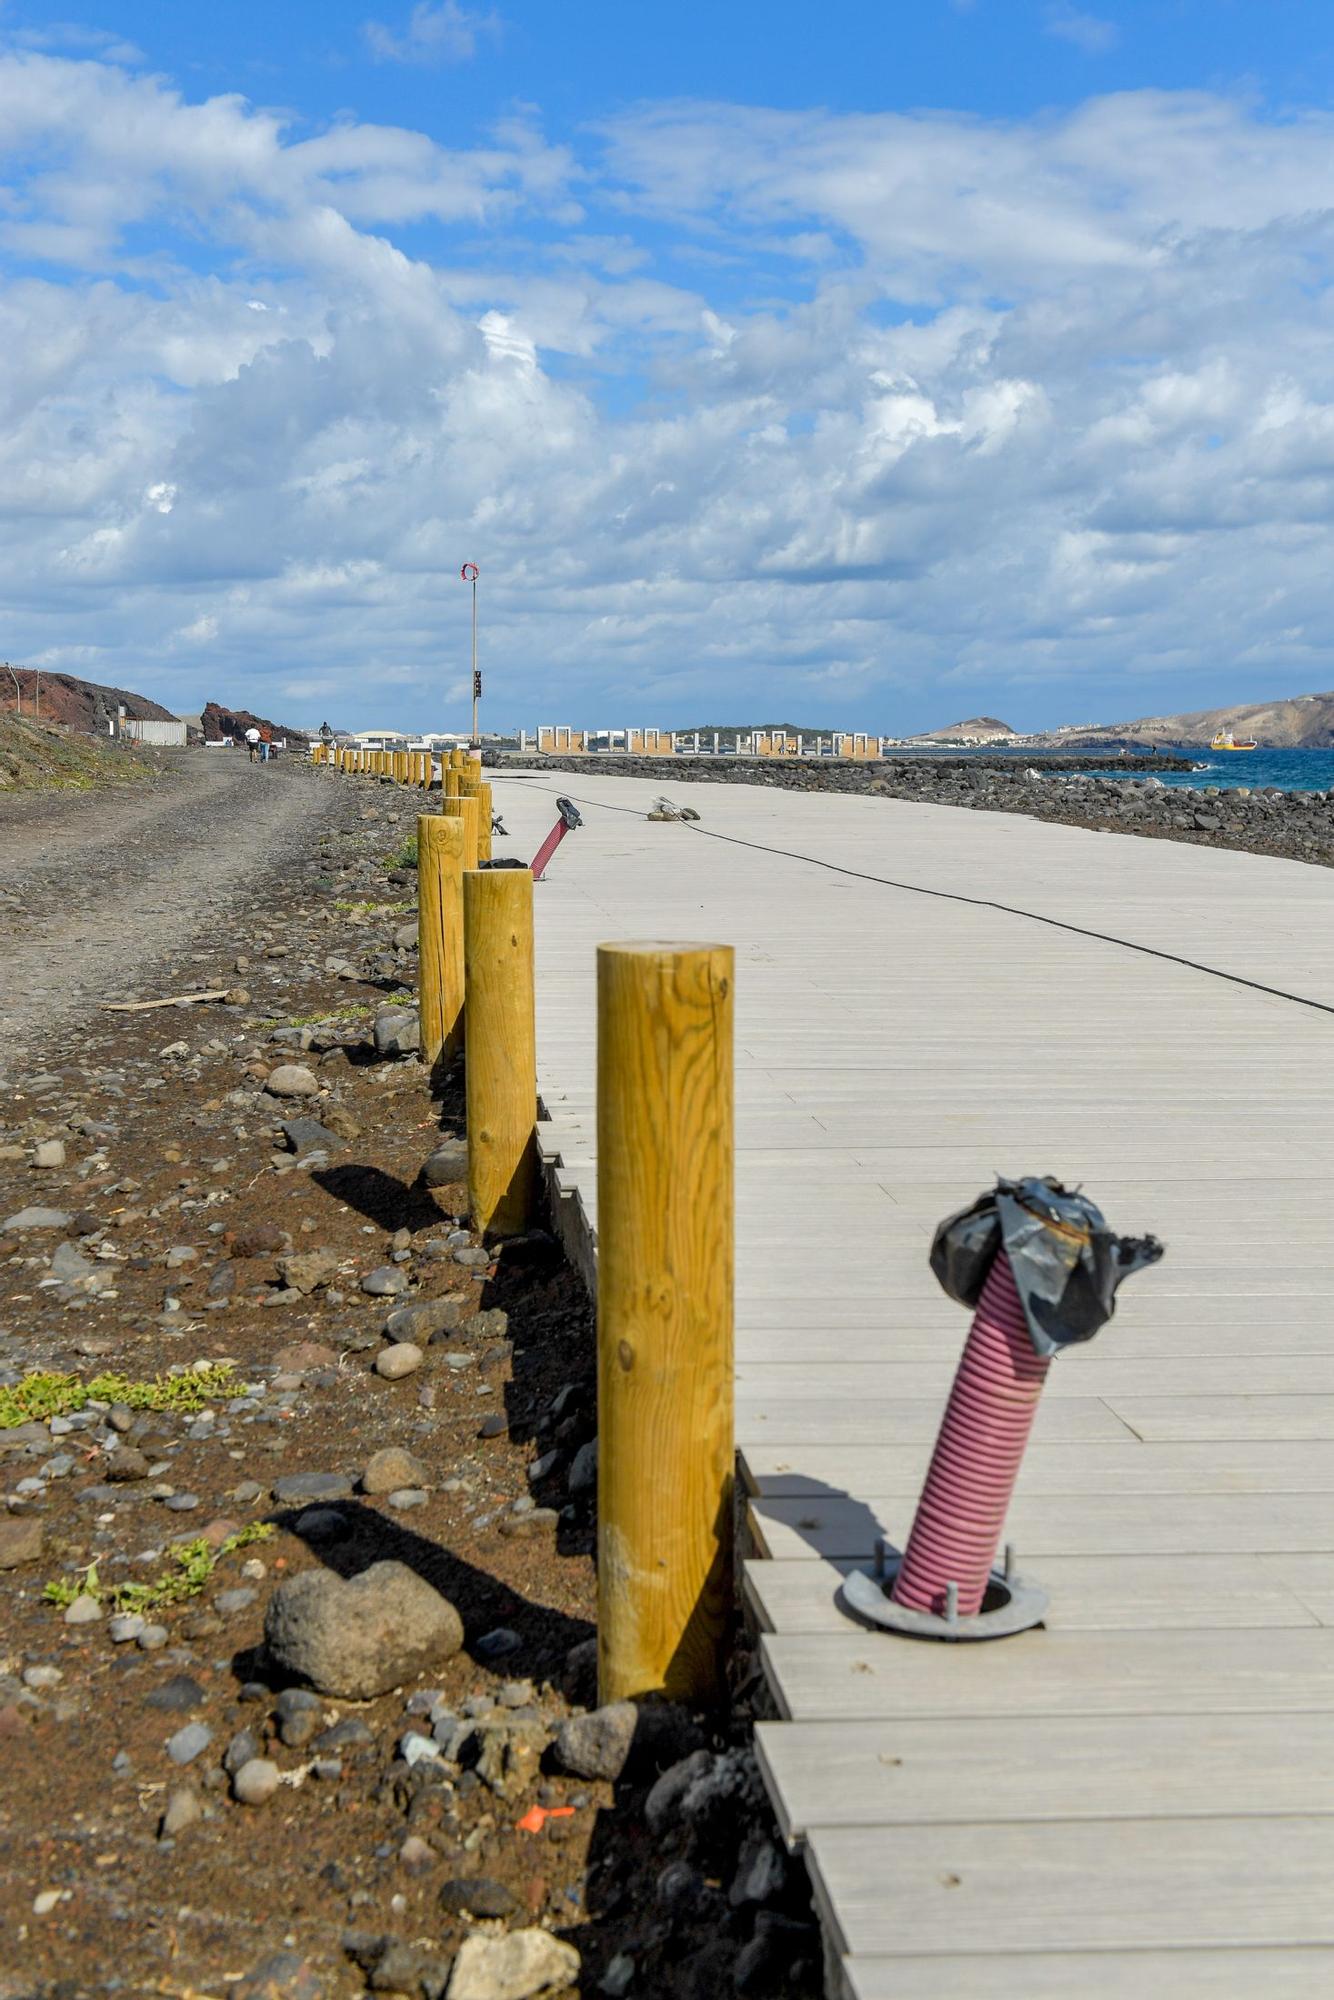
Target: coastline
(1298,826)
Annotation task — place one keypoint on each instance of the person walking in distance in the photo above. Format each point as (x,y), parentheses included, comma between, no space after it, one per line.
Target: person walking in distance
(252,743)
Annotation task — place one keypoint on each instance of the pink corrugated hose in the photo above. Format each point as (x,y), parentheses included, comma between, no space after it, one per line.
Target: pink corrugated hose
(961,1514)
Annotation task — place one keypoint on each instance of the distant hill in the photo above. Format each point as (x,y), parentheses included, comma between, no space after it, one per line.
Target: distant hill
(1299,722)
(234,722)
(987,727)
(85,706)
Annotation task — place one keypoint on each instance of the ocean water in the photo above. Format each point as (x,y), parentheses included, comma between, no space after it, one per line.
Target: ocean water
(1283,770)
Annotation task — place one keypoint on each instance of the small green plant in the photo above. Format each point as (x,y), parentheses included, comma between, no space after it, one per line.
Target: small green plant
(375,909)
(404,856)
(193,1563)
(330,1016)
(46,1394)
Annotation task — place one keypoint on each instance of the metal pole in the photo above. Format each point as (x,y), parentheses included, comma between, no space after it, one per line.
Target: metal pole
(469,575)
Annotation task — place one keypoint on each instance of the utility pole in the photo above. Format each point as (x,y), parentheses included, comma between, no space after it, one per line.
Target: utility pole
(469,575)
(18,691)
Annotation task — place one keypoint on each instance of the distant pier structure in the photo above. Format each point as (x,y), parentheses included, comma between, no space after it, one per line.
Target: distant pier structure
(556,740)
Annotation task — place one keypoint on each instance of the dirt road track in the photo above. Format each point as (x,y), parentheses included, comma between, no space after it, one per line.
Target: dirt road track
(98,890)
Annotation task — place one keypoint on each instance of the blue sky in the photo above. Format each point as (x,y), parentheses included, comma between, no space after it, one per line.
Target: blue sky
(873,364)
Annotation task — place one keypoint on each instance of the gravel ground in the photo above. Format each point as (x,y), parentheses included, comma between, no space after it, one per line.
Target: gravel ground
(191,1804)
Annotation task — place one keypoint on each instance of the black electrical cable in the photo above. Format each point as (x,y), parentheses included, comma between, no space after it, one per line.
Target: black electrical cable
(979,903)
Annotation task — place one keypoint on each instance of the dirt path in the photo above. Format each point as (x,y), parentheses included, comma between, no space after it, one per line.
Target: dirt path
(100,890)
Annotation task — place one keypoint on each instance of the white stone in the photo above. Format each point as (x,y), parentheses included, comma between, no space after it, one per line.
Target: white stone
(399,1360)
(256,1781)
(513,1967)
(291,1080)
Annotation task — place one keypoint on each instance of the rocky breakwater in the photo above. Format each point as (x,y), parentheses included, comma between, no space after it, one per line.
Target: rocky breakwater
(1126,795)
(1299,825)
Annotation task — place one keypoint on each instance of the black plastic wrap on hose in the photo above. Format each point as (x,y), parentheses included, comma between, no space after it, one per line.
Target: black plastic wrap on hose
(1066,1262)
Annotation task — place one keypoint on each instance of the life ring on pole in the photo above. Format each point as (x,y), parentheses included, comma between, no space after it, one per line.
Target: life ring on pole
(469,572)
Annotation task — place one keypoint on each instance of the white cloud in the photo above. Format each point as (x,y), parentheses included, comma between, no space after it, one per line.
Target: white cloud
(201,632)
(441,33)
(1088,32)
(848,415)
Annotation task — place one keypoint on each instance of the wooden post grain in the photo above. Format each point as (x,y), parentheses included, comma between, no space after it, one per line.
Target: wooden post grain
(501,1049)
(440,935)
(483,823)
(665,1431)
(466,810)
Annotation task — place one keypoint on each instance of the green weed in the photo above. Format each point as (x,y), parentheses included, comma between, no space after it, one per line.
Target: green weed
(330,1016)
(193,1563)
(47,1394)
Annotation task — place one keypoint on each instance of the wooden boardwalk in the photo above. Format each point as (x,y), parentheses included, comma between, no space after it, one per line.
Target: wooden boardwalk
(1138,1799)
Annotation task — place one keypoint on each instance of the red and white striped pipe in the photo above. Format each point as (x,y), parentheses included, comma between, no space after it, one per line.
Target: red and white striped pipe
(970,1481)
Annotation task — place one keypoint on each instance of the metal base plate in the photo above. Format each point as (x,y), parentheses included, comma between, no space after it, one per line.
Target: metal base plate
(1011,1605)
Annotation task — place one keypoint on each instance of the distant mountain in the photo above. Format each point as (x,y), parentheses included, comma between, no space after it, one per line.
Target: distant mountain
(85,706)
(985,728)
(1300,722)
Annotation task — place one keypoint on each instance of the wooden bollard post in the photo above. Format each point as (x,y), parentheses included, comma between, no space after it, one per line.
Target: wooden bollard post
(451,782)
(501,1039)
(440,935)
(466,810)
(666,1454)
(483,823)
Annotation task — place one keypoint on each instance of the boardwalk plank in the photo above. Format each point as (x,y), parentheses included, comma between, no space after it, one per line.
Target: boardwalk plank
(1131,1673)
(1070,1885)
(920,1773)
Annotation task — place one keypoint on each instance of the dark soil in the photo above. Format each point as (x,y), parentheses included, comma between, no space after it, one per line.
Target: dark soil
(172,1144)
